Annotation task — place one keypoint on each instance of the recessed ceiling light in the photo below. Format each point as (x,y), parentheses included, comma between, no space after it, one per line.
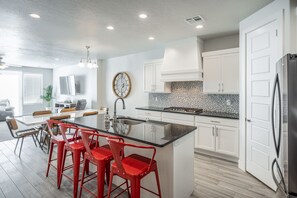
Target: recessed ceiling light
(57,59)
(151,38)
(35,16)
(142,16)
(199,26)
(110,27)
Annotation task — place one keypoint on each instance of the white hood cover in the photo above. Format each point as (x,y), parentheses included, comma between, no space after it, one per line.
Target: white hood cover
(182,61)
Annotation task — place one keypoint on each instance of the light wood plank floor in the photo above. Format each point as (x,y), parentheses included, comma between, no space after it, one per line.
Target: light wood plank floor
(25,177)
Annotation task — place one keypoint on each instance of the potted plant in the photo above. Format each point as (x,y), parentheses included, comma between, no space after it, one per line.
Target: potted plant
(47,96)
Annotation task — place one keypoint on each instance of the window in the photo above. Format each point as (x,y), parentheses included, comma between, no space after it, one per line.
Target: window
(32,88)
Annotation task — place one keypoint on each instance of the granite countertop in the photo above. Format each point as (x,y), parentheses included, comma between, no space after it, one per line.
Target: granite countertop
(204,113)
(153,133)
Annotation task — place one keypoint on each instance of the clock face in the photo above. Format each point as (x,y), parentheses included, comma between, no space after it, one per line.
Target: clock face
(121,84)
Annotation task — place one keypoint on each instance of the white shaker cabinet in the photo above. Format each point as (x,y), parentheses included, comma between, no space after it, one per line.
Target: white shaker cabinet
(152,78)
(204,137)
(219,135)
(221,71)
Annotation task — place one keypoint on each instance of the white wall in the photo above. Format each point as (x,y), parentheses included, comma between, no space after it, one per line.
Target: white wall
(133,65)
(88,84)
(219,43)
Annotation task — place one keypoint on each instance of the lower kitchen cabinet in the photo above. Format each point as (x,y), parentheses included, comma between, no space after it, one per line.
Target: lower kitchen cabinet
(204,137)
(227,140)
(217,135)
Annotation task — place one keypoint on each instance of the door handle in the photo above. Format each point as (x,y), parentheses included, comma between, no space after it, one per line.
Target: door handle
(217,132)
(222,87)
(213,131)
(248,120)
(219,87)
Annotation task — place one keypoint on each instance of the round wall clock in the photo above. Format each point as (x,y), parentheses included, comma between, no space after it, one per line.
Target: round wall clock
(121,84)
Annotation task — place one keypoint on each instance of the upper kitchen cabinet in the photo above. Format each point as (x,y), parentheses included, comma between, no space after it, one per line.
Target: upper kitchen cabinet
(182,61)
(221,71)
(152,78)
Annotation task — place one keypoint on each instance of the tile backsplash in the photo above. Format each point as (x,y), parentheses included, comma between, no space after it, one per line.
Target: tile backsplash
(190,94)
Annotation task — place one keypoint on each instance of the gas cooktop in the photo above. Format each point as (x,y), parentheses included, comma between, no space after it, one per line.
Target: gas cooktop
(184,110)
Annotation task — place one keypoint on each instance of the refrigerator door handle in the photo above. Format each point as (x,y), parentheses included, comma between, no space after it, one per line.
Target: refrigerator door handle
(281,185)
(276,142)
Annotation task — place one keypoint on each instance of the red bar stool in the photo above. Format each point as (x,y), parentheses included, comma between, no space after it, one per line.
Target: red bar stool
(56,139)
(77,150)
(100,156)
(133,167)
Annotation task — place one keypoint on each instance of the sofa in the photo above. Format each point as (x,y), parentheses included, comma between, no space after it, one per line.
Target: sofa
(5,109)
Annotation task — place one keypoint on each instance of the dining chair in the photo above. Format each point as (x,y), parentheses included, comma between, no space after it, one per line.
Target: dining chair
(21,134)
(42,127)
(67,110)
(133,167)
(90,113)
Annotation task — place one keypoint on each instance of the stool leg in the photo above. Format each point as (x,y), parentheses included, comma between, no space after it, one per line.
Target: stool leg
(100,178)
(60,153)
(83,178)
(87,164)
(110,184)
(76,164)
(158,182)
(49,158)
(107,171)
(62,168)
(128,188)
(135,188)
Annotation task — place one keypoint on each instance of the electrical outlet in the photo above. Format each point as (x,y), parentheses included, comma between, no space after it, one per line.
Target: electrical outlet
(156,98)
(228,102)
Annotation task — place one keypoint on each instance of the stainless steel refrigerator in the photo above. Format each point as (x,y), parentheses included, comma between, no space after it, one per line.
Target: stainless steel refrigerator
(284,126)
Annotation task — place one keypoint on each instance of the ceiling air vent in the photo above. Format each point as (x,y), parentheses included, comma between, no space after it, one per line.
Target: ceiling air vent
(195,20)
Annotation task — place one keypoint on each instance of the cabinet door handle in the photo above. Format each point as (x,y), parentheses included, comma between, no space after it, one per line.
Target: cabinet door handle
(213,131)
(222,87)
(215,121)
(219,87)
(217,131)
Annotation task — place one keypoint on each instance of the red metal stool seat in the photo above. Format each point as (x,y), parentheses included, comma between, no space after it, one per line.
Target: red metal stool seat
(77,149)
(58,140)
(133,167)
(100,156)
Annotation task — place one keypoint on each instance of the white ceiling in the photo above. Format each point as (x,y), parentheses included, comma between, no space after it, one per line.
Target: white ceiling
(66,26)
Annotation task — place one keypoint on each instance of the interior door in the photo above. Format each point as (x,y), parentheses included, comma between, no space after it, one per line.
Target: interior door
(262,55)
(211,74)
(230,73)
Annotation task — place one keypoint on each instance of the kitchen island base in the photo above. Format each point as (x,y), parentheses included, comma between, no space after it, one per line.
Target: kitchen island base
(175,165)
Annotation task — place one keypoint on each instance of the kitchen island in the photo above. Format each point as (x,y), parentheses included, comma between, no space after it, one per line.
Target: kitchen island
(175,150)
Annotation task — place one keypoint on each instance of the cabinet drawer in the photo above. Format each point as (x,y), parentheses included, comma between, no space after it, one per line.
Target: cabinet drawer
(217,121)
(152,115)
(178,117)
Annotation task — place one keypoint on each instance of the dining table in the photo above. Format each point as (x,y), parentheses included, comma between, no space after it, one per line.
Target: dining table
(30,120)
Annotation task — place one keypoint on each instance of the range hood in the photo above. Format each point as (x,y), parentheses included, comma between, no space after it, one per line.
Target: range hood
(182,61)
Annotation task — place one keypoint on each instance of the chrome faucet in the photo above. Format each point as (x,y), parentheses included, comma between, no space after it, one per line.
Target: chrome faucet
(115,108)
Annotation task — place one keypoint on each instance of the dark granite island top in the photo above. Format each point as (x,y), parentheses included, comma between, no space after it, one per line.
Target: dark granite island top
(153,133)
